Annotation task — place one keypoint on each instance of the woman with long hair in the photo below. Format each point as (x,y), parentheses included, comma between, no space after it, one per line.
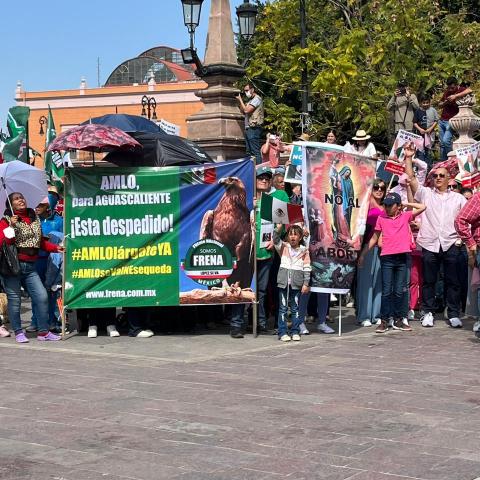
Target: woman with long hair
(369,280)
(20,226)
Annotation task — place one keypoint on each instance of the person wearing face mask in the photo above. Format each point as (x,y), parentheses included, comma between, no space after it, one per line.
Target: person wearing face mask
(439,240)
(449,109)
(254,116)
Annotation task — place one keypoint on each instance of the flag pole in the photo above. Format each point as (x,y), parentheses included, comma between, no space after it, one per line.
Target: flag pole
(254,243)
(339,314)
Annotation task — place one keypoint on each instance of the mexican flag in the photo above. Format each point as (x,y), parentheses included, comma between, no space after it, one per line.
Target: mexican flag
(198,176)
(278,211)
(17,124)
(54,165)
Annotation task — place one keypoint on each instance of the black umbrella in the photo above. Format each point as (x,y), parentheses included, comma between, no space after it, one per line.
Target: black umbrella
(160,150)
(125,122)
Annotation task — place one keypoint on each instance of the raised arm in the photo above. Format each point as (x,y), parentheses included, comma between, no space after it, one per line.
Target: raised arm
(417,208)
(409,151)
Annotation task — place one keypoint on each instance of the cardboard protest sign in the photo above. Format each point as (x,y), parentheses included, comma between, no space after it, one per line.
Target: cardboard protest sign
(468,159)
(293,174)
(159,236)
(396,160)
(296,154)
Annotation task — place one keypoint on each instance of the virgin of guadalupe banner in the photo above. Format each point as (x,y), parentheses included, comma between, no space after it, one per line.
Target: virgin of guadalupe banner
(337,188)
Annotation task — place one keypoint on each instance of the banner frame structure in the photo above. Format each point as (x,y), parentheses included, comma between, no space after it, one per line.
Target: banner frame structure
(241,166)
(337,186)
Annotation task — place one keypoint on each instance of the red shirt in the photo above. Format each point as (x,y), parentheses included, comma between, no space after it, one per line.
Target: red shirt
(467,223)
(450,109)
(44,245)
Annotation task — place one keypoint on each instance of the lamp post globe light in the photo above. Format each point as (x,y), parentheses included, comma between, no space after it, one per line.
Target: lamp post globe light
(191,14)
(247,19)
(246,15)
(219,126)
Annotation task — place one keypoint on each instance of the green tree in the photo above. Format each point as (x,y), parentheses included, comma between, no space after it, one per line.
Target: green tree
(356,52)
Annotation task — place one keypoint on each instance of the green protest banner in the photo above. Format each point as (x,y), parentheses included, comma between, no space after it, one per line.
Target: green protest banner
(122,237)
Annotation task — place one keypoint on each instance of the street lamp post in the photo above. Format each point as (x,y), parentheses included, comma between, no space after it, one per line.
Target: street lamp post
(149,108)
(246,14)
(305,114)
(42,121)
(219,126)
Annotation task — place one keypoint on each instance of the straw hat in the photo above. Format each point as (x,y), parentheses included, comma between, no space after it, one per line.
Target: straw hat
(361,135)
(305,137)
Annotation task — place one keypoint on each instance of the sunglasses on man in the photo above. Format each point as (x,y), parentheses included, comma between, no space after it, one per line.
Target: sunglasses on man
(453,187)
(438,175)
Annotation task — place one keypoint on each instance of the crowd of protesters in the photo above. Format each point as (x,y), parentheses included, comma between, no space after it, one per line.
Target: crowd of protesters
(419,240)
(414,262)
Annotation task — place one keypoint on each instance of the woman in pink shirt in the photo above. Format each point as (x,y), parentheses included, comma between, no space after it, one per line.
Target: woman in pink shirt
(397,243)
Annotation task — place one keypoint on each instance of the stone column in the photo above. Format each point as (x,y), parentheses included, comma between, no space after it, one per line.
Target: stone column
(465,122)
(219,126)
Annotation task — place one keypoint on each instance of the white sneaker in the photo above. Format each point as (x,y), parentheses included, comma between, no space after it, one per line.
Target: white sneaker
(455,322)
(476,326)
(376,321)
(112,331)
(296,337)
(304,329)
(427,320)
(285,338)
(411,315)
(366,323)
(333,298)
(391,324)
(92,331)
(349,304)
(324,328)
(145,334)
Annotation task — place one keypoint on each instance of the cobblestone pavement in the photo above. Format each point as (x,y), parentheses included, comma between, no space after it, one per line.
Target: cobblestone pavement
(195,407)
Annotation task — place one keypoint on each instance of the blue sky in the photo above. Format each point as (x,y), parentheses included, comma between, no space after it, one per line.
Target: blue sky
(51,44)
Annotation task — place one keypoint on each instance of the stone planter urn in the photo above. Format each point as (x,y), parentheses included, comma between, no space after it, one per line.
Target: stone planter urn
(465,122)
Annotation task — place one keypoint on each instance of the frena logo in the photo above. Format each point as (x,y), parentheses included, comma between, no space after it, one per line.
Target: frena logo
(279,212)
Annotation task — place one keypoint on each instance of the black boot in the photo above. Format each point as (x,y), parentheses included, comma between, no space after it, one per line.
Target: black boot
(236,333)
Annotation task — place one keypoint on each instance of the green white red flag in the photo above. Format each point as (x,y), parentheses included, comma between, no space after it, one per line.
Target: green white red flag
(17,124)
(278,211)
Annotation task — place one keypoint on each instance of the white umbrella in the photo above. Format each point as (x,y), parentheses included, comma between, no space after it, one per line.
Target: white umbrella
(20,177)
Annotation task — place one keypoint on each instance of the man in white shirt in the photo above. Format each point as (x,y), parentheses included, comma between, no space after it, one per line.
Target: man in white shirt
(439,240)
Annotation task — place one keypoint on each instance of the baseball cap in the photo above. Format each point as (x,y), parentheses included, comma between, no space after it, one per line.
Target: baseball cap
(392,199)
(264,171)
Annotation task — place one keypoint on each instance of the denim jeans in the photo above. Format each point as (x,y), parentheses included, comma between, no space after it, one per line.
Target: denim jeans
(30,280)
(432,261)
(288,297)
(445,134)
(394,286)
(253,140)
(323,302)
(263,271)
(368,298)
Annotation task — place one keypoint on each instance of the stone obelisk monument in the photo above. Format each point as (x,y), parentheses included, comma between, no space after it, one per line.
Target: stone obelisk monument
(219,126)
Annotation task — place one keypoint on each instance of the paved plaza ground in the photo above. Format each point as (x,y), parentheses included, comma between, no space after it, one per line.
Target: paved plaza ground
(207,407)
